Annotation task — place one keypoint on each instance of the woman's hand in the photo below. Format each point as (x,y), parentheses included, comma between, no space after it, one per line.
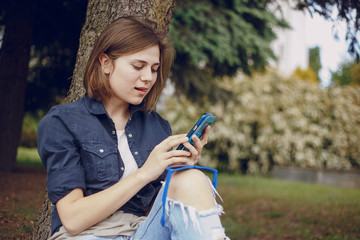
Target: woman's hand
(161,157)
(199,144)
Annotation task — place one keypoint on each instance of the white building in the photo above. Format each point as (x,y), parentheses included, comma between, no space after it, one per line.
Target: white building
(290,47)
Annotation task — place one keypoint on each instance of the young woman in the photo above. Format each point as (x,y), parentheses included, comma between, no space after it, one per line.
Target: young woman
(106,154)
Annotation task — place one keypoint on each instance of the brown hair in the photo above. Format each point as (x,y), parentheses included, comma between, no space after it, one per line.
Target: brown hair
(127,35)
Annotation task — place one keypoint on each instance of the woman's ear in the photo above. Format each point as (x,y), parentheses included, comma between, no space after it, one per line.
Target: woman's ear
(106,63)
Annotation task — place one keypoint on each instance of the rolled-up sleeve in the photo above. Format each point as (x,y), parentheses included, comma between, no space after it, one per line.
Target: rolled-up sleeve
(59,152)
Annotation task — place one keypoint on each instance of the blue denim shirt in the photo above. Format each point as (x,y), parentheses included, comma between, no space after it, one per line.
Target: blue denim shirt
(77,143)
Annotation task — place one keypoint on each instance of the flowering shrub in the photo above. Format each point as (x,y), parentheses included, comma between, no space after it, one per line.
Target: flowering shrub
(276,121)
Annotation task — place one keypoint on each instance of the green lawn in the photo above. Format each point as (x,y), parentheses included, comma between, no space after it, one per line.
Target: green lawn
(28,157)
(264,208)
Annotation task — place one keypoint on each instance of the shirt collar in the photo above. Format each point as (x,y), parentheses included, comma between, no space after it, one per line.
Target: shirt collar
(97,108)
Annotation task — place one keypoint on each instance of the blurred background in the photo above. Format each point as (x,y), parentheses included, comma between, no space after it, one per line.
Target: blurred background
(283,82)
(282,77)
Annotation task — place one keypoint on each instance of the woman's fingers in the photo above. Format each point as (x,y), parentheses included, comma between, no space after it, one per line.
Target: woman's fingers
(199,145)
(172,141)
(179,161)
(177,153)
(161,156)
(194,150)
(204,138)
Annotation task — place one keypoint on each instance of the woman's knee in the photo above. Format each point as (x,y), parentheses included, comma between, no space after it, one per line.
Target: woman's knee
(192,187)
(190,178)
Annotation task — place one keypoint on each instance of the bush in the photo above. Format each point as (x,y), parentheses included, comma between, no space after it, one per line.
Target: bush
(29,129)
(277,121)
(306,75)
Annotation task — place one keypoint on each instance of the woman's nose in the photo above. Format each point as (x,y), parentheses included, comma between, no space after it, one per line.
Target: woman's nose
(146,74)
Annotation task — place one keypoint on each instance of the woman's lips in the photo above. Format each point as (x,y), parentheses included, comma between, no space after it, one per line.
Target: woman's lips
(141,90)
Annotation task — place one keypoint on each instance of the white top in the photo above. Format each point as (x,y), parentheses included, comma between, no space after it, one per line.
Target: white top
(125,153)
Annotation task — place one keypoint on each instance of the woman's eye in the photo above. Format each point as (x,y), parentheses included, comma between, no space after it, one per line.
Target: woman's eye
(137,67)
(154,70)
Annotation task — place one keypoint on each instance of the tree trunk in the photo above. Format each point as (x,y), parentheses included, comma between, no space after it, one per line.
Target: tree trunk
(99,14)
(14,59)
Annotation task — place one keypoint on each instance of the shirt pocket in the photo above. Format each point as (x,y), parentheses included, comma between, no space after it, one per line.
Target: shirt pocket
(100,161)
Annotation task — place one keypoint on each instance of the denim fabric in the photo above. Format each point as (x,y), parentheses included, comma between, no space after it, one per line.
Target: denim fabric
(92,237)
(77,144)
(182,222)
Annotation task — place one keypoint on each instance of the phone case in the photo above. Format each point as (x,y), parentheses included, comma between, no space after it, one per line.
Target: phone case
(198,129)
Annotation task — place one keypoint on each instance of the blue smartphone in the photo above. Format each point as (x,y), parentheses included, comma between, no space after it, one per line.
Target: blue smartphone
(198,129)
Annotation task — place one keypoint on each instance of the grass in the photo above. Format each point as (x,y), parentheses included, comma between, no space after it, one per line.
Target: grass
(264,208)
(28,157)
(22,195)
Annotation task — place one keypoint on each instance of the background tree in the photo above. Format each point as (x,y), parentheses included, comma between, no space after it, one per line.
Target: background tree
(314,61)
(348,73)
(355,73)
(99,14)
(307,74)
(218,38)
(311,73)
(55,42)
(38,33)
(17,15)
(334,10)
(196,72)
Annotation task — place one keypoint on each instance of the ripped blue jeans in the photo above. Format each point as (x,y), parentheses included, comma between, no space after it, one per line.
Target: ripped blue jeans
(178,222)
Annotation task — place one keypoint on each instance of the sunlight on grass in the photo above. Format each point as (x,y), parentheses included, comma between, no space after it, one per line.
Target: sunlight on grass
(265,208)
(28,157)
(259,208)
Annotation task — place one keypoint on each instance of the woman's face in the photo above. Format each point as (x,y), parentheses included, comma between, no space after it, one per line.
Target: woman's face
(132,76)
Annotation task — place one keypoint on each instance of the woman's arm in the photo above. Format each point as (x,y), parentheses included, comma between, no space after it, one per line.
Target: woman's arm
(78,213)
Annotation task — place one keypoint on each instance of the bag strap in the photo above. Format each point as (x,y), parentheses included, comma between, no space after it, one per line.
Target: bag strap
(171,170)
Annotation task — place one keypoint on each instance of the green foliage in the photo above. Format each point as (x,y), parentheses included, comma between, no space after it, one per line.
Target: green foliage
(218,38)
(26,228)
(348,73)
(355,74)
(277,121)
(306,75)
(29,129)
(314,61)
(28,157)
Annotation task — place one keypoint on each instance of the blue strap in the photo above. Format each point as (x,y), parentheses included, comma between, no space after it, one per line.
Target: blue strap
(175,168)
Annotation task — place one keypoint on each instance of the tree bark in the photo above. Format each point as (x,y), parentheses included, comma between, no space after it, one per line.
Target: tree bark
(99,14)
(14,59)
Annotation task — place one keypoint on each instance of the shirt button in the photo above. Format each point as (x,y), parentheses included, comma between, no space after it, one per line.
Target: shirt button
(130,135)
(113,132)
(101,150)
(122,168)
(136,153)
(138,196)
